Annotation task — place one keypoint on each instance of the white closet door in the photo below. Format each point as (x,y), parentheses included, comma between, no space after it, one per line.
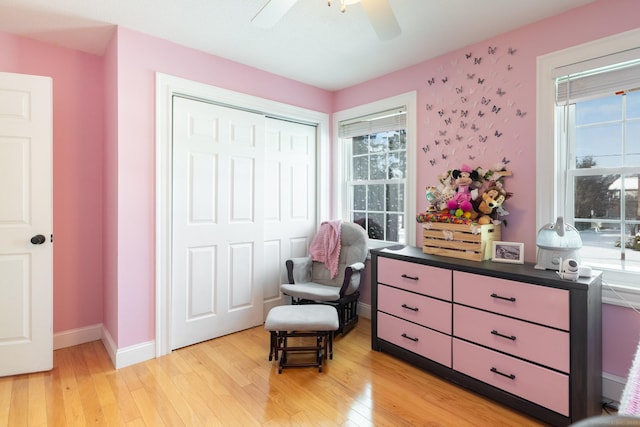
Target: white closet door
(218,221)
(290,200)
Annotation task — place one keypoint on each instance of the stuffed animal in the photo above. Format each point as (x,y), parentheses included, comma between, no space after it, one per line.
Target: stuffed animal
(460,204)
(492,200)
(433,196)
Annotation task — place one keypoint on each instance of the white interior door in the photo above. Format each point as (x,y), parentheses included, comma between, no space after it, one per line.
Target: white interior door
(26,224)
(218,221)
(290,201)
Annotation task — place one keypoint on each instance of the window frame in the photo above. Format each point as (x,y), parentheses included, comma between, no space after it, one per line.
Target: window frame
(622,288)
(341,164)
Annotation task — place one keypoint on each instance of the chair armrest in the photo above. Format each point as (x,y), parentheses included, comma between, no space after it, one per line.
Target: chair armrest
(350,273)
(357,266)
(298,270)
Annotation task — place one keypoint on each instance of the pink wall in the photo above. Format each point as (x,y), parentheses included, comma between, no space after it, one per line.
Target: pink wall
(516,75)
(104,151)
(77,173)
(138,58)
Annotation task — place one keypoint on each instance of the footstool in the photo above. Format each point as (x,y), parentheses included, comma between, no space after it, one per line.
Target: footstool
(308,320)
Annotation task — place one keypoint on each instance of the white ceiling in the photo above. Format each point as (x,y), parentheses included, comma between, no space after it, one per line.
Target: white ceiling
(312,43)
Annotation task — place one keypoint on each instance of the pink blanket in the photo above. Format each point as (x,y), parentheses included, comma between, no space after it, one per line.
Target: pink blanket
(325,246)
(630,401)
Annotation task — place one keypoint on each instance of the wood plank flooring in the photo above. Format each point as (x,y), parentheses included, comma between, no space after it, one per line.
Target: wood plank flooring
(230,382)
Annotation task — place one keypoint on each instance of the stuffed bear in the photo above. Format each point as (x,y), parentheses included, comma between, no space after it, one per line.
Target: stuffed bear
(460,204)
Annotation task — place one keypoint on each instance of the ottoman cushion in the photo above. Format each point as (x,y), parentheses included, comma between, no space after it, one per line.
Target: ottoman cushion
(305,317)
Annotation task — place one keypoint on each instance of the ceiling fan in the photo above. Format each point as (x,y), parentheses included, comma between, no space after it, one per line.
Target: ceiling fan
(380,15)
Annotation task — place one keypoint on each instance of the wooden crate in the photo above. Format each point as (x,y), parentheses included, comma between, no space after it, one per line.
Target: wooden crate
(466,241)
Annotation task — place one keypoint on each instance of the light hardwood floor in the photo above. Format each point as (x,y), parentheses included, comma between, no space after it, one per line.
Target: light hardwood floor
(230,382)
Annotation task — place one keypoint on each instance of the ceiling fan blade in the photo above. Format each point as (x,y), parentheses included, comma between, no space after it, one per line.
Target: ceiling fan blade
(272,12)
(382,19)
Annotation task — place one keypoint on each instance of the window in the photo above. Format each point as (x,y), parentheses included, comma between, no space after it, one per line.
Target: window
(603,168)
(588,153)
(374,178)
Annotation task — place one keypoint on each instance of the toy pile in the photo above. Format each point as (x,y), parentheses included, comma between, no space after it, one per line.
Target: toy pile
(466,196)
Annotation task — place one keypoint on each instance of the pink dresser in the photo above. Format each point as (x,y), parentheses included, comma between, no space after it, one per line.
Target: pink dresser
(520,336)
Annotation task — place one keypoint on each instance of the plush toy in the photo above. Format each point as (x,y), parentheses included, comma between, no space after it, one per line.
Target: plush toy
(460,204)
(492,200)
(433,196)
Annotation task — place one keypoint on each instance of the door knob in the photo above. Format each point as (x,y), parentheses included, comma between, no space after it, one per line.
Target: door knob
(38,239)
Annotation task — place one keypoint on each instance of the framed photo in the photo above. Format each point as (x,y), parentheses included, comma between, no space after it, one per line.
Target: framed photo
(511,252)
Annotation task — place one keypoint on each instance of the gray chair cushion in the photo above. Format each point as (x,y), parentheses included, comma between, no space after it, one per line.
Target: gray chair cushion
(312,291)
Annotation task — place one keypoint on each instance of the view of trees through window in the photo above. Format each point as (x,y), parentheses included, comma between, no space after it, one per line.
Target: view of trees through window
(604,137)
(377,184)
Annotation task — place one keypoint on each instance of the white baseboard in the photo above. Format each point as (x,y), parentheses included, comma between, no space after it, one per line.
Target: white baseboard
(123,357)
(364,310)
(612,387)
(77,336)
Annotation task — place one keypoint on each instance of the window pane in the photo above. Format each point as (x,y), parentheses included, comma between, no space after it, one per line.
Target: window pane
(360,145)
(632,147)
(360,197)
(397,164)
(599,110)
(601,246)
(360,168)
(601,143)
(398,140)
(379,166)
(395,197)
(597,197)
(631,207)
(375,194)
(633,105)
(395,228)
(378,143)
(375,226)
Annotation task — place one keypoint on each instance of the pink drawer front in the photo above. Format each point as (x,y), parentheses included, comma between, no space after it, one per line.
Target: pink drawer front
(540,304)
(433,313)
(423,279)
(539,385)
(546,346)
(425,342)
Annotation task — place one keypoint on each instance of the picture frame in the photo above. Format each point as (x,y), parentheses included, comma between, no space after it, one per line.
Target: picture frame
(509,252)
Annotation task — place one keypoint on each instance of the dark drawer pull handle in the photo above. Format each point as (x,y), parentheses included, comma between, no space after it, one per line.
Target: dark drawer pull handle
(512,299)
(510,376)
(404,276)
(409,338)
(410,308)
(509,337)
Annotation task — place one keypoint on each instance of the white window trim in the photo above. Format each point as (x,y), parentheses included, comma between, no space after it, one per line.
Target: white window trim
(340,170)
(547,160)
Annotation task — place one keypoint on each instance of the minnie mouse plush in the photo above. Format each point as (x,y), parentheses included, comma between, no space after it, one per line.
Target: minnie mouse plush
(460,205)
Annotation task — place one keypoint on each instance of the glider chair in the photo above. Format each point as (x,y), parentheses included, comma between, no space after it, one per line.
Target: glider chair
(332,272)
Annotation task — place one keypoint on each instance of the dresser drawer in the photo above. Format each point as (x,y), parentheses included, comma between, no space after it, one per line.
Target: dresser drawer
(418,339)
(534,383)
(429,312)
(540,304)
(546,346)
(432,281)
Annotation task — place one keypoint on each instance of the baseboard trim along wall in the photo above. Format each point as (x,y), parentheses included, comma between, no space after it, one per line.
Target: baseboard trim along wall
(612,387)
(77,336)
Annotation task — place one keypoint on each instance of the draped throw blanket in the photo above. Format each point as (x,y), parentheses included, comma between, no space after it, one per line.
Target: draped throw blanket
(630,401)
(325,246)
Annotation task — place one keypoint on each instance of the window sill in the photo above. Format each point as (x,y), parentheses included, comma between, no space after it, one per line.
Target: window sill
(622,295)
